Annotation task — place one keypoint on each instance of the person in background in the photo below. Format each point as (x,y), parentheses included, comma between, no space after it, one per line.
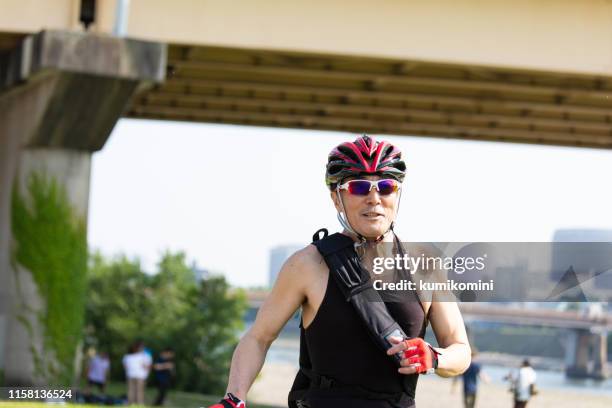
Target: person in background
(470,381)
(523,384)
(164,370)
(97,370)
(137,365)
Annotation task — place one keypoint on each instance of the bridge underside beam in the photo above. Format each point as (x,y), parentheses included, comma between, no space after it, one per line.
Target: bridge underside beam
(356,94)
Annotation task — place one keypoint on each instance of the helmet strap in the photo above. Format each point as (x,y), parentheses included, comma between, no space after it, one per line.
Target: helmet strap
(343,218)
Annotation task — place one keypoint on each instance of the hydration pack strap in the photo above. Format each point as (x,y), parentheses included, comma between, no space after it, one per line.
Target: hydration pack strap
(354,282)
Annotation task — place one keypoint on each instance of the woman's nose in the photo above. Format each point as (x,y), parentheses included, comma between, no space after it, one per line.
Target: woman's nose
(373,196)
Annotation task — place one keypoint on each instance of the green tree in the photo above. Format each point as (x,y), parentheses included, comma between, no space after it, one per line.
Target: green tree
(118,300)
(169,308)
(209,335)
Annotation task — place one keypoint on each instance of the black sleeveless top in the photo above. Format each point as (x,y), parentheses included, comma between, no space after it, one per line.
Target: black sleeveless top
(337,345)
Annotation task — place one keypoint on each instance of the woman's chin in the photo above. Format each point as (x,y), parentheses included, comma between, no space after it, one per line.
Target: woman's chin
(372,233)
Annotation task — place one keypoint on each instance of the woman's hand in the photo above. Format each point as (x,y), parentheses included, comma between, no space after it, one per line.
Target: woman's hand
(419,357)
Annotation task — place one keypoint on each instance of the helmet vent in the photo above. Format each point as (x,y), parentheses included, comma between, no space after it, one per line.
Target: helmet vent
(347,151)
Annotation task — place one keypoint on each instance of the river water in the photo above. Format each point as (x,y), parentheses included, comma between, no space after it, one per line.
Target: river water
(287,351)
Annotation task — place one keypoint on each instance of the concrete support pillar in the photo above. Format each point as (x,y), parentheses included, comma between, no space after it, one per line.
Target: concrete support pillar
(61,94)
(69,170)
(600,355)
(20,109)
(578,359)
(586,354)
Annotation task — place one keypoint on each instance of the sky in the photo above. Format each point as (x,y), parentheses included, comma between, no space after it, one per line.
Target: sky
(226,195)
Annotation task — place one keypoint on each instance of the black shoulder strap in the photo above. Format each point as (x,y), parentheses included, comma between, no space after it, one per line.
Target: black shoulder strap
(339,253)
(354,282)
(317,235)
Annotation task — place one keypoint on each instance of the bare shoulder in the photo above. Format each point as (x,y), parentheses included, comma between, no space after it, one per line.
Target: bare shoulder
(304,265)
(310,276)
(307,256)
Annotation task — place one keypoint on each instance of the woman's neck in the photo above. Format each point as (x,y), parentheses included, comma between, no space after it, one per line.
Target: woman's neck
(388,237)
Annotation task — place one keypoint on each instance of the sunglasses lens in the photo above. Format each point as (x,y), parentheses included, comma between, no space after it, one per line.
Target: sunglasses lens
(359,187)
(386,187)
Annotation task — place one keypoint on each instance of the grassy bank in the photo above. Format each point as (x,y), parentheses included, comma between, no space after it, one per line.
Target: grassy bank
(175,399)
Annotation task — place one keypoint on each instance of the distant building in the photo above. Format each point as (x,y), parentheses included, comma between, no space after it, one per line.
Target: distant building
(514,281)
(586,260)
(582,235)
(199,273)
(278,256)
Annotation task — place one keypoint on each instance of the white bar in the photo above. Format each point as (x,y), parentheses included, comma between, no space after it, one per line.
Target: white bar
(121,18)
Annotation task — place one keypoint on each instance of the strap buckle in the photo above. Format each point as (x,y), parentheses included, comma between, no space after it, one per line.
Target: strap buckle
(317,235)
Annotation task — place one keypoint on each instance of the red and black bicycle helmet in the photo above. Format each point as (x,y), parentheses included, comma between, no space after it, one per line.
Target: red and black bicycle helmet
(364,156)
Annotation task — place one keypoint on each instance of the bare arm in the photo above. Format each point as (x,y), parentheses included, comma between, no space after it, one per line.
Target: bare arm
(285,298)
(445,317)
(448,326)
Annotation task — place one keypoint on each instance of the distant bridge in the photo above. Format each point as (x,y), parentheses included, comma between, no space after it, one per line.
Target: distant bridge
(535,317)
(509,315)
(514,70)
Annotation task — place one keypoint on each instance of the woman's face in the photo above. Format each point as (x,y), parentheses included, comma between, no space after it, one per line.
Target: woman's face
(370,215)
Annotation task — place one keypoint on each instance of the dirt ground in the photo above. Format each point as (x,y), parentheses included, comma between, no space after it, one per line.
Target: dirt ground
(432,392)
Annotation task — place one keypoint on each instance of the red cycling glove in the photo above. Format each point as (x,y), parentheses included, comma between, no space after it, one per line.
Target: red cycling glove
(230,401)
(418,351)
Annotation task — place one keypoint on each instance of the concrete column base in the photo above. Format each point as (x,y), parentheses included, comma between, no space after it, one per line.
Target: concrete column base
(28,359)
(20,110)
(61,94)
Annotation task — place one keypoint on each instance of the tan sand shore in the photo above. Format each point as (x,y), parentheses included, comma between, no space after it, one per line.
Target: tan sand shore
(433,392)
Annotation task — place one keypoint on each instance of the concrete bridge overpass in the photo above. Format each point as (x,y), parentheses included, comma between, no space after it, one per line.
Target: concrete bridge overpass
(517,71)
(390,96)
(520,71)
